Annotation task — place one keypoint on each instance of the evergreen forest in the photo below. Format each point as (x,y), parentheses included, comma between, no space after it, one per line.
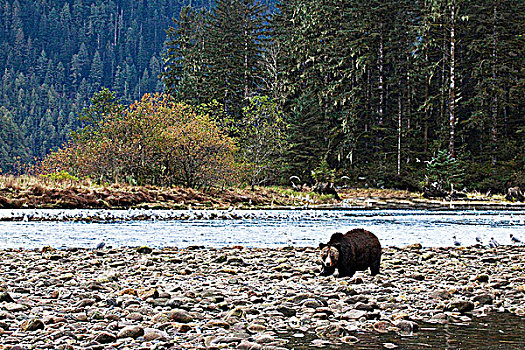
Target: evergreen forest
(397,94)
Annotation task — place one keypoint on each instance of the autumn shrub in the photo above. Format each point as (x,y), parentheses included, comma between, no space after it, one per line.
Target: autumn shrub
(154,141)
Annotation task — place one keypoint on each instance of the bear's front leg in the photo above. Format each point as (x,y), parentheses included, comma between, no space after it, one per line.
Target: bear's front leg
(327,270)
(345,272)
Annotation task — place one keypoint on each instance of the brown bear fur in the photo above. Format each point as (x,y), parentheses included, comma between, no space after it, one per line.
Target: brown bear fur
(356,250)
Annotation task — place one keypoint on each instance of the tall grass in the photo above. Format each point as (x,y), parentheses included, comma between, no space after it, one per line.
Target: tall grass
(22,182)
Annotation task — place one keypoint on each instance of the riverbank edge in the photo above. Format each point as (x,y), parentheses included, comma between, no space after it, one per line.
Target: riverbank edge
(35,193)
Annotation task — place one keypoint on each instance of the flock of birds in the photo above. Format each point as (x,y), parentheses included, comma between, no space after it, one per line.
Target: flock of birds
(158,215)
(492,242)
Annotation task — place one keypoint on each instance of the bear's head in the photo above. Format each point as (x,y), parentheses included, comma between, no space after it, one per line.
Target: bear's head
(329,257)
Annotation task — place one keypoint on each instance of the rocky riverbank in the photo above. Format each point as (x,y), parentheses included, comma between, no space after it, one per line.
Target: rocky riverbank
(242,298)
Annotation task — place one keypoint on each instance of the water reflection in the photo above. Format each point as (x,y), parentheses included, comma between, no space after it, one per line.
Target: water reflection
(496,331)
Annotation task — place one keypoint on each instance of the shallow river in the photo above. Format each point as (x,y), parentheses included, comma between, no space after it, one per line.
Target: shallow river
(254,228)
(496,331)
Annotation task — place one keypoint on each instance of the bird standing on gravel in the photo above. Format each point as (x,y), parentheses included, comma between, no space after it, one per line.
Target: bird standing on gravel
(493,243)
(456,242)
(515,239)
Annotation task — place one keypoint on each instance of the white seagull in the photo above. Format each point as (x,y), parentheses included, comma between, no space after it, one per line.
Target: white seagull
(493,243)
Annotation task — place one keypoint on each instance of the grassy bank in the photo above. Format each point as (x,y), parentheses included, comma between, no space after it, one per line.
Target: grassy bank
(40,192)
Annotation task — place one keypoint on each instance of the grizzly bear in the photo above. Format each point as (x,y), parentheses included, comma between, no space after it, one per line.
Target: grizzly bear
(354,251)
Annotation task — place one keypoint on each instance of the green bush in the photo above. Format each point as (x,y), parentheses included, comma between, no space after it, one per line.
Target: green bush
(60,176)
(445,171)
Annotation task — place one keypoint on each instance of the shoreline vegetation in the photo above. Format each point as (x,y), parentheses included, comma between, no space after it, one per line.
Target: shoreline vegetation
(246,298)
(34,192)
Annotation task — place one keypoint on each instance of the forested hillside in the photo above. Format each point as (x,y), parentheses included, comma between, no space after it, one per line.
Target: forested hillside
(54,55)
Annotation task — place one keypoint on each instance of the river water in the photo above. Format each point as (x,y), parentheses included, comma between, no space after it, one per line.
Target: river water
(495,331)
(255,228)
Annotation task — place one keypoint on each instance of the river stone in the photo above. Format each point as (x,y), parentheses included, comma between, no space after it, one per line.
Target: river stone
(483,278)
(349,339)
(320,316)
(81,317)
(462,305)
(180,316)
(301,297)
(247,345)
(66,276)
(332,331)
(400,316)
(131,332)
(147,293)
(320,343)
(353,315)
(183,327)
(312,303)
(256,328)
(287,310)
(382,326)
(415,246)
(135,316)
(144,250)
(418,276)
(365,307)
(105,338)
(128,291)
(264,339)
(5,297)
(236,312)
(484,299)
(441,294)
(31,325)
(14,307)
(151,334)
(356,299)
(225,340)
(85,302)
(406,327)
(217,324)
(161,317)
(439,318)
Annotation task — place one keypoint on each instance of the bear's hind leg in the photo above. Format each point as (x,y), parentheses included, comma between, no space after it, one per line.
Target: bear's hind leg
(374,268)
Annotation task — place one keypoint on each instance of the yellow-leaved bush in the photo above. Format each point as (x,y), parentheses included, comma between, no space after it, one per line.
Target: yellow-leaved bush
(154,141)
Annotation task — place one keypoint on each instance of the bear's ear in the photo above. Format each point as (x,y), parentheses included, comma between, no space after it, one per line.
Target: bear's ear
(322,245)
(338,236)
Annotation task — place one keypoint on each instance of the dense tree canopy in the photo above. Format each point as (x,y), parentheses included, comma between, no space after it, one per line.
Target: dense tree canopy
(378,88)
(368,89)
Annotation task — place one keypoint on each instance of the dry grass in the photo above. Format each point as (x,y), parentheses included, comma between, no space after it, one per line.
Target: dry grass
(44,192)
(28,181)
